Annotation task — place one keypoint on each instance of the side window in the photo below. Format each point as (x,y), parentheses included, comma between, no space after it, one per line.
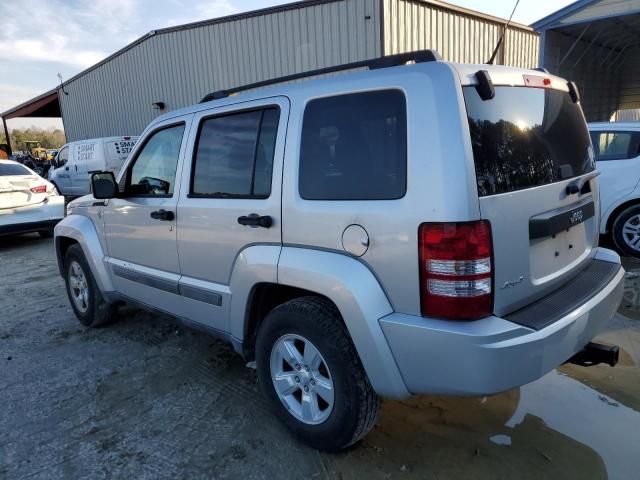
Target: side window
(63,156)
(234,155)
(615,145)
(354,147)
(153,172)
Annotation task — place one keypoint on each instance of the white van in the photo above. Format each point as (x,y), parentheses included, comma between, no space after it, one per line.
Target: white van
(72,167)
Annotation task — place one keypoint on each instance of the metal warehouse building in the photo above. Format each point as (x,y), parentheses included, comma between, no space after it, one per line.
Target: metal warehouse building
(596,43)
(174,67)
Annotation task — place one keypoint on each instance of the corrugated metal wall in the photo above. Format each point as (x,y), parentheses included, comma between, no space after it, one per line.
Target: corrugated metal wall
(180,66)
(458,37)
(630,82)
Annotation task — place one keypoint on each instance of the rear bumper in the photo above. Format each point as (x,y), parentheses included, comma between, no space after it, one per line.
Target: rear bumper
(494,354)
(31,218)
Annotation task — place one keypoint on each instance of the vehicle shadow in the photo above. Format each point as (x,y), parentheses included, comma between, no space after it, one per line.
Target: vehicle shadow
(22,241)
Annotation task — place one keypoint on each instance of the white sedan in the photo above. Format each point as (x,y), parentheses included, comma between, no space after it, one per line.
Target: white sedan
(28,202)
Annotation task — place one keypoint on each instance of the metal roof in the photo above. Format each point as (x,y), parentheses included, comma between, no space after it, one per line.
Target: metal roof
(584,11)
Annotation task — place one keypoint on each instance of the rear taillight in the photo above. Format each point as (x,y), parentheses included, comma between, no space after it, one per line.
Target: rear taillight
(39,189)
(456,271)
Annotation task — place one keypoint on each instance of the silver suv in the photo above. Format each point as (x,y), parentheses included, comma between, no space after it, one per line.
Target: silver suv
(413,228)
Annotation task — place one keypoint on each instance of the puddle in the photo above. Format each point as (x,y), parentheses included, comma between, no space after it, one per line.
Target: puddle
(587,416)
(574,423)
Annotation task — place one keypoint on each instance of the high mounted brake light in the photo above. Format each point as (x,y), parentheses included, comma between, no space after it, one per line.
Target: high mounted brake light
(536,81)
(456,272)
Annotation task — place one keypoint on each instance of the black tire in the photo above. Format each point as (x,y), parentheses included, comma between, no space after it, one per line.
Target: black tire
(98,311)
(356,404)
(45,233)
(617,234)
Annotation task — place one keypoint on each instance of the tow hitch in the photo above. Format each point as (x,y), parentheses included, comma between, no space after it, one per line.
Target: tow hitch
(596,353)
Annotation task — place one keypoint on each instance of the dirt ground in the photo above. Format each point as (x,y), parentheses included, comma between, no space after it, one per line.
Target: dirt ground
(148,399)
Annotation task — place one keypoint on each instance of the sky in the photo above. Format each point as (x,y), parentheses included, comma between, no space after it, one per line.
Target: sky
(41,38)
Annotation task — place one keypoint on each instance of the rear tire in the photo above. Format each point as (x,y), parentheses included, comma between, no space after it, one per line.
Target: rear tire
(85,297)
(340,415)
(625,232)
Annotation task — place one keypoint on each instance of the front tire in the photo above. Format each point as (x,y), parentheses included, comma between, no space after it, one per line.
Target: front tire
(90,307)
(626,232)
(312,376)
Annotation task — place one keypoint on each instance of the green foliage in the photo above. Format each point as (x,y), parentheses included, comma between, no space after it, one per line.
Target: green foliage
(49,138)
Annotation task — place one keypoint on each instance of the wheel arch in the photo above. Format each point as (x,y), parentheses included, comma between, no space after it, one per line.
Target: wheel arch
(611,217)
(81,230)
(352,288)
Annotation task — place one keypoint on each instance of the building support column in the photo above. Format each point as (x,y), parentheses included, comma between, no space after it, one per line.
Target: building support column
(6,134)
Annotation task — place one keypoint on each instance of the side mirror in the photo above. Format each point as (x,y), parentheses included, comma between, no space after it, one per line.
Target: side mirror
(54,163)
(103,185)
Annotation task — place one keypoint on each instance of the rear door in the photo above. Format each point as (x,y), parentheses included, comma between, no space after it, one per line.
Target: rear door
(536,183)
(230,200)
(618,161)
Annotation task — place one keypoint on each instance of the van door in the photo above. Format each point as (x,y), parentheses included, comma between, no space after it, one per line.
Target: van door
(140,225)
(230,200)
(61,176)
(83,155)
(116,152)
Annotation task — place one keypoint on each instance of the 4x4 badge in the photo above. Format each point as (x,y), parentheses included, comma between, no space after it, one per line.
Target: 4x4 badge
(512,283)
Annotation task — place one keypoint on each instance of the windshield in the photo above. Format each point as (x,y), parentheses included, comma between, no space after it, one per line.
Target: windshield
(10,169)
(525,137)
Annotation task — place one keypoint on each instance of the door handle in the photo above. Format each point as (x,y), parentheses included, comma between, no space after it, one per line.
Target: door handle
(163,215)
(254,220)
(66,168)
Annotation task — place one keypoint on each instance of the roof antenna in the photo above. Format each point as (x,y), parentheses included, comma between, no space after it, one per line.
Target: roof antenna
(501,39)
(62,85)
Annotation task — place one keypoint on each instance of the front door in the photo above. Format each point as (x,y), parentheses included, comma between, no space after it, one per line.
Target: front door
(62,176)
(229,202)
(140,227)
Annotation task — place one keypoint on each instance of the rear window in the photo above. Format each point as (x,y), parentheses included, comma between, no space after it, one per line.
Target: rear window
(9,169)
(615,145)
(354,147)
(526,137)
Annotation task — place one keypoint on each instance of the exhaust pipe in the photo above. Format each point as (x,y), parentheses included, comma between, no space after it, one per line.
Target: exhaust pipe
(595,354)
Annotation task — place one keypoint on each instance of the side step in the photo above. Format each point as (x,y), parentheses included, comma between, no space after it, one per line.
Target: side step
(596,353)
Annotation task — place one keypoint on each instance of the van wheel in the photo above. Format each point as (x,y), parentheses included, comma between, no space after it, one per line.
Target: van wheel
(312,375)
(86,300)
(626,232)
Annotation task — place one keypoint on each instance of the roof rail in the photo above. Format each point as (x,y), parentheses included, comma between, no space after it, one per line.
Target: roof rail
(418,56)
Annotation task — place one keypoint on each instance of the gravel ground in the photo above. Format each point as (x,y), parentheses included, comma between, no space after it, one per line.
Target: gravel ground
(147,398)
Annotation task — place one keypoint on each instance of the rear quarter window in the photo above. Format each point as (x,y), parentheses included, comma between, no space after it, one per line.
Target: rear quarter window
(354,147)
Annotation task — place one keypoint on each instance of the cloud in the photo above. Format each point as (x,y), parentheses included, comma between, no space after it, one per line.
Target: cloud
(12,95)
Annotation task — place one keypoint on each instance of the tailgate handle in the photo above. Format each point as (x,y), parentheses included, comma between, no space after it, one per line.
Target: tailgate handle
(254,220)
(572,189)
(549,224)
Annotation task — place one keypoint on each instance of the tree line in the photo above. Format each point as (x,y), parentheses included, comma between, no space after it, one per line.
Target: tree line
(49,138)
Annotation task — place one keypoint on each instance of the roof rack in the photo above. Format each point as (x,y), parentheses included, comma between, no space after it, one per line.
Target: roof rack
(418,56)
